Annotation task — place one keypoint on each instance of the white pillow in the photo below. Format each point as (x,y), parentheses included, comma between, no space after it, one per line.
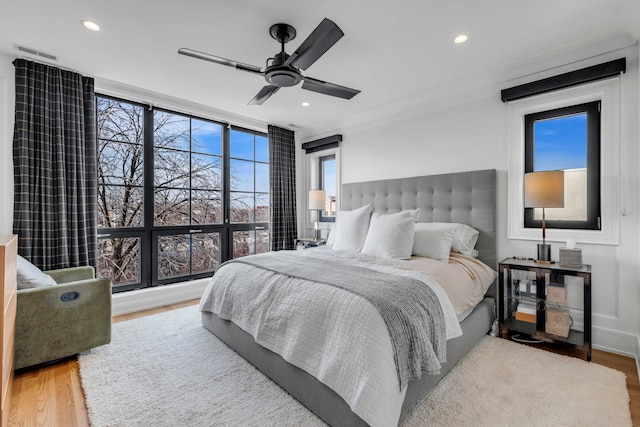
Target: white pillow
(30,276)
(465,239)
(391,235)
(351,229)
(415,213)
(331,237)
(433,241)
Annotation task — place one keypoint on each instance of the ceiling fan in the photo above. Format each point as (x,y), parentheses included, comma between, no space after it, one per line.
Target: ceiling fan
(283,70)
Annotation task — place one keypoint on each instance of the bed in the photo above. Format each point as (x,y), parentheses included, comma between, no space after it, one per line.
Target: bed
(465,198)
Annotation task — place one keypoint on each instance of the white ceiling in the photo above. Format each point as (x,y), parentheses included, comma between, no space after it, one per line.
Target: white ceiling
(391,51)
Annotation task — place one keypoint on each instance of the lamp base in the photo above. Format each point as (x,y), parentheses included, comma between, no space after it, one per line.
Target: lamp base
(544,254)
(318,234)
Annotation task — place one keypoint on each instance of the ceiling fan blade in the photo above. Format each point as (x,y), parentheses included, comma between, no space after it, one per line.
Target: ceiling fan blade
(264,94)
(326,88)
(326,34)
(219,60)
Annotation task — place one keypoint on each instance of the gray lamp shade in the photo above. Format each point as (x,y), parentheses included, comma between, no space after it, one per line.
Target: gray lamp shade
(544,189)
(317,199)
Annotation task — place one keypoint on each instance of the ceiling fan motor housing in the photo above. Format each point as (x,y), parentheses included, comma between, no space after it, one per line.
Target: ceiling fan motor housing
(282,75)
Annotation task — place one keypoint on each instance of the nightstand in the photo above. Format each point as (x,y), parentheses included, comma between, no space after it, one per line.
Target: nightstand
(547,302)
(309,243)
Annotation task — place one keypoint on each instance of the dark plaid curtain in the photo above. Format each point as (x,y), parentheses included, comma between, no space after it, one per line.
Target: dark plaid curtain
(282,164)
(54,164)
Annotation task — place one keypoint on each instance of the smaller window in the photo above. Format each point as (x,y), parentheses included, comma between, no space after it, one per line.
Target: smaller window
(567,139)
(327,181)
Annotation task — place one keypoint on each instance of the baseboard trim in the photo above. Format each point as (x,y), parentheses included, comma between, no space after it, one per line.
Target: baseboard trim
(144,299)
(613,341)
(638,356)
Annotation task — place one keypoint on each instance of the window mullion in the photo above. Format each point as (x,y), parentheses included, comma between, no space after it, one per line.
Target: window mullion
(227,238)
(149,268)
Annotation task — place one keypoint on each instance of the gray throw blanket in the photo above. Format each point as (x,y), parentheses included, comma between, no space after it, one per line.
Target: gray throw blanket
(410,308)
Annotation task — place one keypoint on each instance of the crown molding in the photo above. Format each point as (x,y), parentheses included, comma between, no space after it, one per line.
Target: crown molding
(480,86)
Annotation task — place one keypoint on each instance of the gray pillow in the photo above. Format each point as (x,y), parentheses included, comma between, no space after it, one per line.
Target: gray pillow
(30,276)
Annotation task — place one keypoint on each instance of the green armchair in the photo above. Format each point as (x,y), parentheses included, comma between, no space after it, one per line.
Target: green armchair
(53,322)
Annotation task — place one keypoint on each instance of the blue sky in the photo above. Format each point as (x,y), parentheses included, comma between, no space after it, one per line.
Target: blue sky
(245,173)
(330,178)
(560,143)
(242,146)
(207,137)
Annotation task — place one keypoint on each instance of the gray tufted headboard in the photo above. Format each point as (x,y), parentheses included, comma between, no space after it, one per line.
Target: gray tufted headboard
(463,197)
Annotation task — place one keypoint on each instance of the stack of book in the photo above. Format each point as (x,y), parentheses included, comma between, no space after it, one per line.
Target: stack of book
(526,312)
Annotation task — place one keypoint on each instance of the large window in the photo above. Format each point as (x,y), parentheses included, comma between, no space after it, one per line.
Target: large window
(567,139)
(172,189)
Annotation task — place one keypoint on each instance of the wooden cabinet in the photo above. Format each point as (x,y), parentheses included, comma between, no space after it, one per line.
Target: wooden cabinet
(8,286)
(546,302)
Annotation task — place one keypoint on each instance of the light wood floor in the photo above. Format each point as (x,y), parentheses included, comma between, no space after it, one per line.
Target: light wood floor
(52,395)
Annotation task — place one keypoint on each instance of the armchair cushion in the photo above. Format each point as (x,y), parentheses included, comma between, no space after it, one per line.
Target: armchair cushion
(30,276)
(58,321)
(72,274)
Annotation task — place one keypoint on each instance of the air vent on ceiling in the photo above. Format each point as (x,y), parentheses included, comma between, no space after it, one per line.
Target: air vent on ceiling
(36,52)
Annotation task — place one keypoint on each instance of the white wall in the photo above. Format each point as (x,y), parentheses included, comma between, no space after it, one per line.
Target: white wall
(457,139)
(473,135)
(6,138)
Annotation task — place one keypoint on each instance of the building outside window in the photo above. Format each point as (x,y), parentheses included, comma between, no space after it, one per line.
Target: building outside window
(178,194)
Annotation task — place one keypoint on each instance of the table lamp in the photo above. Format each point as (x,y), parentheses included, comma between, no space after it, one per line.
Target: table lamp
(317,202)
(544,190)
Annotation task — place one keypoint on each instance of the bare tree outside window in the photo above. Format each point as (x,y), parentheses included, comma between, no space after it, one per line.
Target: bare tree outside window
(188,192)
(120,187)
(249,174)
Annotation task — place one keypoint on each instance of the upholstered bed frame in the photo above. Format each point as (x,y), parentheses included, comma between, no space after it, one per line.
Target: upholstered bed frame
(464,197)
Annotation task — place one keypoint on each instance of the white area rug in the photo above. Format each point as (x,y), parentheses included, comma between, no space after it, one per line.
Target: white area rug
(167,370)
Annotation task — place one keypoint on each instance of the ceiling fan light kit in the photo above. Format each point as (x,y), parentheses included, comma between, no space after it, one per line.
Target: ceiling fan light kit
(283,70)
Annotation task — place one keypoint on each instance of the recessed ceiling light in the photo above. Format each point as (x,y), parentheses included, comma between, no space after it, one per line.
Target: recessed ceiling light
(90,25)
(305,104)
(460,39)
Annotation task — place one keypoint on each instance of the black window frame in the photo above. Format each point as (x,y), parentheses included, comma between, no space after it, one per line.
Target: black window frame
(592,110)
(149,232)
(321,160)
(238,226)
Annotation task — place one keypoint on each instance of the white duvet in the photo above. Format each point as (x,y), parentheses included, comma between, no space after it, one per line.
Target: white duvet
(332,334)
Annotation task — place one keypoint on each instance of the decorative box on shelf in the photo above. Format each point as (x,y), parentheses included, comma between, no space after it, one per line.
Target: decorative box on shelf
(571,257)
(558,321)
